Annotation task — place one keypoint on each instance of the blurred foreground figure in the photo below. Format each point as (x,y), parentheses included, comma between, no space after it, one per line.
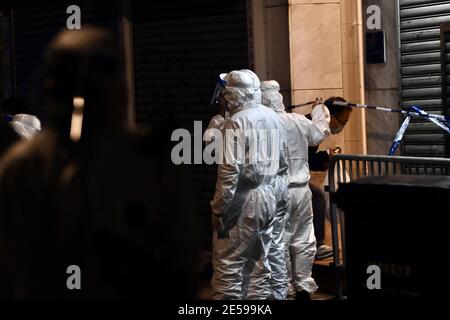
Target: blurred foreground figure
(86,192)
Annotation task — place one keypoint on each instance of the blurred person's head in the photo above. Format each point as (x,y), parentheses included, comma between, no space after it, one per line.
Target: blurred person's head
(87,64)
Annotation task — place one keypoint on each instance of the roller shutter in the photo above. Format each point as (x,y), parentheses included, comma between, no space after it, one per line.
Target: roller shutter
(180,47)
(421,72)
(445,46)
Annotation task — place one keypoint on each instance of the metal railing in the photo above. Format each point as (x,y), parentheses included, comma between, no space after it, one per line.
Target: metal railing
(347,168)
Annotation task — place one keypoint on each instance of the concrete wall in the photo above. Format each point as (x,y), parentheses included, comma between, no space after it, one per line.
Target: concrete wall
(382,84)
(326,47)
(314,49)
(271,43)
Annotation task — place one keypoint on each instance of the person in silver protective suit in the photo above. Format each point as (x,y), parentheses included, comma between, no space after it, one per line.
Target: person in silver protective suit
(299,235)
(272,99)
(243,207)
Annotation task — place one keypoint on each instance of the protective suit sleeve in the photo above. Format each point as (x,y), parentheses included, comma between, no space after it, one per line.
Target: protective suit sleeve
(216,123)
(320,125)
(228,172)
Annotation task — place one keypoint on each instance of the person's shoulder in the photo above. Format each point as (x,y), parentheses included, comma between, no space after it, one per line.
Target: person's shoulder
(28,151)
(259,111)
(271,113)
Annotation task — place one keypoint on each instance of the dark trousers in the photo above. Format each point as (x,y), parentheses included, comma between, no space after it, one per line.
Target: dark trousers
(320,207)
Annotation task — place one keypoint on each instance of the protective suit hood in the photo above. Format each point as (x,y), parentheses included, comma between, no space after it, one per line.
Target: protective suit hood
(271,96)
(242,90)
(26,125)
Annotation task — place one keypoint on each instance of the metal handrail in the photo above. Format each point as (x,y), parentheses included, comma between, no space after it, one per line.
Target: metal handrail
(347,168)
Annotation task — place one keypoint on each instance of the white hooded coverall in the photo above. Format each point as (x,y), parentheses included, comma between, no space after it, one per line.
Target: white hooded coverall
(244,199)
(299,235)
(272,99)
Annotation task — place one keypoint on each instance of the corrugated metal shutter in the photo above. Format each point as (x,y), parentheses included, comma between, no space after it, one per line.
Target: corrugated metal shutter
(180,48)
(421,72)
(34,25)
(445,46)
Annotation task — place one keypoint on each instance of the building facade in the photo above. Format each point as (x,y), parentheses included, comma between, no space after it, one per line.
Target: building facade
(314,48)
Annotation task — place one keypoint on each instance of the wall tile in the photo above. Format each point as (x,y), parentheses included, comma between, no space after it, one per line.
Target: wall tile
(350,50)
(348,12)
(351,84)
(316,52)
